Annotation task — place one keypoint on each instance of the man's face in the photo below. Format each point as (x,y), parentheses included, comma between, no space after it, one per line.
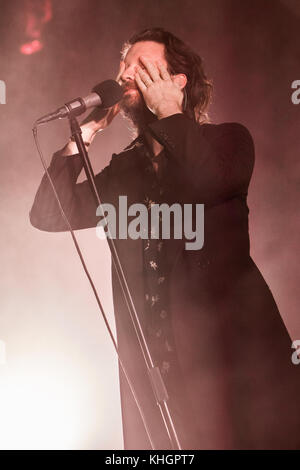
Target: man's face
(133,104)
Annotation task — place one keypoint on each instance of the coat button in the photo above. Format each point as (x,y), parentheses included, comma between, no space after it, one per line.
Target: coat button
(163,314)
(204,263)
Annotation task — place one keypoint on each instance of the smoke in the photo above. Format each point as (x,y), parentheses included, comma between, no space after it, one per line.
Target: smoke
(49,320)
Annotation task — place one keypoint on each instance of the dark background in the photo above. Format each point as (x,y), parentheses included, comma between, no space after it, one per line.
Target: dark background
(251,52)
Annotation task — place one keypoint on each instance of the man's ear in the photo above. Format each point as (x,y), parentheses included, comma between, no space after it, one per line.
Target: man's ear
(180,80)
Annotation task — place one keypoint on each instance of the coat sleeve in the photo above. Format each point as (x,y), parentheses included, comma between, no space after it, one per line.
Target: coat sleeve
(218,167)
(76,198)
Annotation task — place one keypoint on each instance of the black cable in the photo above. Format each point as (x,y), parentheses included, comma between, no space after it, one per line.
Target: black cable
(68,225)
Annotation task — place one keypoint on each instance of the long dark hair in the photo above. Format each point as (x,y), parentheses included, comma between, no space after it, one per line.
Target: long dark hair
(181,59)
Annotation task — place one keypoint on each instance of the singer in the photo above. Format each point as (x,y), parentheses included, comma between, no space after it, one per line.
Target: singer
(210,320)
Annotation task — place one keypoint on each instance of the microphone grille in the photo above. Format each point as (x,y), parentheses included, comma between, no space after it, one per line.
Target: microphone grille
(109,91)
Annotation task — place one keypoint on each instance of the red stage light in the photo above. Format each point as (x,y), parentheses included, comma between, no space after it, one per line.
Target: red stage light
(31,47)
(37,14)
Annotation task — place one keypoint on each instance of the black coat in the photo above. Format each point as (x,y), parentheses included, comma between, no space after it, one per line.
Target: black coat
(238,387)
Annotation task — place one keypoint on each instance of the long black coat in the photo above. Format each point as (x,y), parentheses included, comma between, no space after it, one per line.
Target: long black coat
(238,387)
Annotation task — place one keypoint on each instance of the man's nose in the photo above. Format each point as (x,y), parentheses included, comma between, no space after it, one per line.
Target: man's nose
(128,74)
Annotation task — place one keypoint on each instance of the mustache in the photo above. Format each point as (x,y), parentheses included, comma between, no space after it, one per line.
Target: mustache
(129,86)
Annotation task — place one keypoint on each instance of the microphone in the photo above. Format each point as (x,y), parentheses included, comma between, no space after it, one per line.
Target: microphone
(104,95)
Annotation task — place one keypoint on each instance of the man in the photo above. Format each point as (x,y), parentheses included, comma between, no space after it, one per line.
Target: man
(210,319)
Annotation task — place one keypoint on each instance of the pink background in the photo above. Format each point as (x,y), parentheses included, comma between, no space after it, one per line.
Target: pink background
(59,384)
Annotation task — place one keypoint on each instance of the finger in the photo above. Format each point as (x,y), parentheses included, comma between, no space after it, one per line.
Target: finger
(96,115)
(144,76)
(140,82)
(115,109)
(151,68)
(163,71)
(112,112)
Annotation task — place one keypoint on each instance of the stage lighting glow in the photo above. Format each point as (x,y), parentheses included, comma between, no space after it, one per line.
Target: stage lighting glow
(36,14)
(40,411)
(31,47)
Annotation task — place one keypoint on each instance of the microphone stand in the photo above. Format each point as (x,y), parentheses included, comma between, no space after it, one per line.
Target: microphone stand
(156,379)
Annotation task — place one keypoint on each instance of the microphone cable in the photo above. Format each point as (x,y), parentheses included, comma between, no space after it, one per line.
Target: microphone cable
(68,225)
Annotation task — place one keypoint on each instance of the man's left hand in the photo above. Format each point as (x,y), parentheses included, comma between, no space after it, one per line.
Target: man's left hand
(162,95)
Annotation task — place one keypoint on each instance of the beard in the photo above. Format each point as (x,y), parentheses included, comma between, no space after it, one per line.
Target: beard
(134,108)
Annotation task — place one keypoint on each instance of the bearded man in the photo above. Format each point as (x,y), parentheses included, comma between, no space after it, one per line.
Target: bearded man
(210,320)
